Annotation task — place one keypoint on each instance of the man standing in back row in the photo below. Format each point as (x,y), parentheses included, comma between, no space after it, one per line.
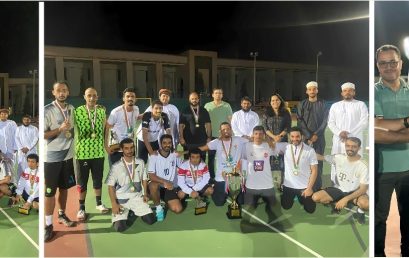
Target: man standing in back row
(122,121)
(219,112)
(312,116)
(58,163)
(89,149)
(194,126)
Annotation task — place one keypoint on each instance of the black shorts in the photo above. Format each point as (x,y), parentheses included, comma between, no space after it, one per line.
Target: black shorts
(97,171)
(169,195)
(336,194)
(58,174)
(143,151)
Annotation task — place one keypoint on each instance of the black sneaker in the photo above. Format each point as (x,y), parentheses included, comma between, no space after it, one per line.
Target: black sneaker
(334,211)
(359,217)
(49,233)
(63,219)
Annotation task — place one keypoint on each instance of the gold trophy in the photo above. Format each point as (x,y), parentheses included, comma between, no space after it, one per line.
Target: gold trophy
(201,206)
(234,181)
(113,142)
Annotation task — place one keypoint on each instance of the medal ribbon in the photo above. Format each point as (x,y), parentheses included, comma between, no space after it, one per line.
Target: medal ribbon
(224,149)
(195,115)
(32,180)
(128,124)
(55,103)
(299,156)
(92,121)
(131,173)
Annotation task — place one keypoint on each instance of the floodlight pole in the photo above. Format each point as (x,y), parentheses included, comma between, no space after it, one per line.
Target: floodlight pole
(254,55)
(316,71)
(33,72)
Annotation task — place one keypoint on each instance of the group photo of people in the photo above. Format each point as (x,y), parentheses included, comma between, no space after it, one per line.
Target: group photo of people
(249,129)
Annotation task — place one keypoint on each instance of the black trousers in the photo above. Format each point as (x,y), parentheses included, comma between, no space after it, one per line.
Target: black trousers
(385,183)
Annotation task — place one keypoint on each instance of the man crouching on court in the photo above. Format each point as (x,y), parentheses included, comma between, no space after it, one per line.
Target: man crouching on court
(127,185)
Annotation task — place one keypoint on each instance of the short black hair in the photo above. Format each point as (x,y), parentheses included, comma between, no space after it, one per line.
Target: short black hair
(156,102)
(126,141)
(165,136)
(128,90)
(33,156)
(295,129)
(61,82)
(224,123)
(355,140)
(259,128)
(194,151)
(387,48)
(245,98)
(26,116)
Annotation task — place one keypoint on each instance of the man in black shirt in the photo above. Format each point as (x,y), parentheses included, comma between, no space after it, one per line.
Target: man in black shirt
(194,126)
(312,117)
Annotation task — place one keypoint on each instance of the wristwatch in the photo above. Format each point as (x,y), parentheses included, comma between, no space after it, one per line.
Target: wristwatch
(405,122)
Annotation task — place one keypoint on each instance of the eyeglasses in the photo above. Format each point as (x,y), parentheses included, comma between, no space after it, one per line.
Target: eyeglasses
(391,64)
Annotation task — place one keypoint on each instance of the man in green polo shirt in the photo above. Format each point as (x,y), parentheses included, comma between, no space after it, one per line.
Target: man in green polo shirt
(89,149)
(219,112)
(391,105)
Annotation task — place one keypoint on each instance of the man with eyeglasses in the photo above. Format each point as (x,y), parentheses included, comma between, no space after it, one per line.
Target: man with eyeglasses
(392,146)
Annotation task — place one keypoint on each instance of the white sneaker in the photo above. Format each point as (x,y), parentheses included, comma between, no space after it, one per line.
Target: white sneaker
(81,215)
(102,208)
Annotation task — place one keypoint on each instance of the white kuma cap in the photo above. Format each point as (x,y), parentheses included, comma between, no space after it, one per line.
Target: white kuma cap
(348,85)
(312,84)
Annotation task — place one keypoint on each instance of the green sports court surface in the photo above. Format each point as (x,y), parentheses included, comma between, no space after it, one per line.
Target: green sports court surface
(292,233)
(18,232)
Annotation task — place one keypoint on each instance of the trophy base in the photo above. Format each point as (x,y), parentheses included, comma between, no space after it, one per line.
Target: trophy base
(234,213)
(201,210)
(24,211)
(115,147)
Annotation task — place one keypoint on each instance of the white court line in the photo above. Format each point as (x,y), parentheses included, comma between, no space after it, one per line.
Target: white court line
(282,234)
(19,228)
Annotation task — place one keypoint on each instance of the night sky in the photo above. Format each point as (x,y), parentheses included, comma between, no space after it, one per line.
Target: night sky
(18,38)
(392,26)
(279,31)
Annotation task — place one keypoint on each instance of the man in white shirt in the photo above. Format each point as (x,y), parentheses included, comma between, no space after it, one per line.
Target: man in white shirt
(352,180)
(122,121)
(7,187)
(229,151)
(127,186)
(193,177)
(154,124)
(163,175)
(28,184)
(244,120)
(7,135)
(300,171)
(26,142)
(259,182)
(172,112)
(347,118)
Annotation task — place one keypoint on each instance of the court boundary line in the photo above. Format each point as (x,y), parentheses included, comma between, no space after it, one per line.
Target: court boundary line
(20,229)
(281,233)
